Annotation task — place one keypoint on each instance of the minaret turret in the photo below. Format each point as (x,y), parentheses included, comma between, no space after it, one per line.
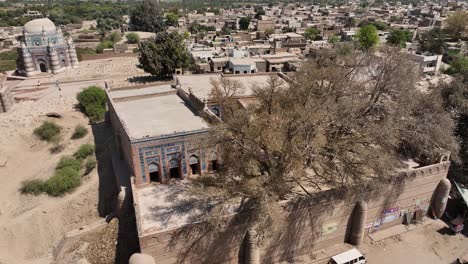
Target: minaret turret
(54,59)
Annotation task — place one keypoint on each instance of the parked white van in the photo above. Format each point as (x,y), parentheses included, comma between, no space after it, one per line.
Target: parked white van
(352,256)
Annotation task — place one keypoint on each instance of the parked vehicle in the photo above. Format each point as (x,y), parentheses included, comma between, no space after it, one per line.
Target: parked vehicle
(352,256)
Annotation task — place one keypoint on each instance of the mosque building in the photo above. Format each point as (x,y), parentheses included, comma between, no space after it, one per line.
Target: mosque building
(44,49)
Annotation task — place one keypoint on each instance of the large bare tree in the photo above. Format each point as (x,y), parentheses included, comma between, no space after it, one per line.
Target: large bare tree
(346,118)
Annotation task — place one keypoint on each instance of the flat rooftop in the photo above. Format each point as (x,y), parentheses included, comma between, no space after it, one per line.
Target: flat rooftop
(117,94)
(155,115)
(163,207)
(201,87)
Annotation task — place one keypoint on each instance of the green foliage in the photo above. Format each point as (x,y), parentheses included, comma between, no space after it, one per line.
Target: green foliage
(147,16)
(458,66)
(133,38)
(269,31)
(260,13)
(367,37)
(92,102)
(65,12)
(311,33)
(64,180)
(90,164)
(333,39)
(32,187)
(378,25)
(81,51)
(114,37)
(172,19)
(196,28)
(84,151)
(9,55)
(163,55)
(244,23)
(80,132)
(48,131)
(433,41)
(8,60)
(106,44)
(70,162)
(399,37)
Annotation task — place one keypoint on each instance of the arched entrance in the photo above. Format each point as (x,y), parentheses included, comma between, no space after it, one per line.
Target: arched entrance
(153,170)
(42,65)
(174,169)
(194,165)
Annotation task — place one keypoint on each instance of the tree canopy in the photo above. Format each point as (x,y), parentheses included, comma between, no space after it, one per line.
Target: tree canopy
(344,120)
(163,55)
(433,41)
(399,37)
(311,33)
(147,16)
(457,23)
(244,23)
(367,37)
(172,19)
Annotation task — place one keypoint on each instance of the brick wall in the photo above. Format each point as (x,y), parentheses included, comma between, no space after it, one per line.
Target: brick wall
(308,224)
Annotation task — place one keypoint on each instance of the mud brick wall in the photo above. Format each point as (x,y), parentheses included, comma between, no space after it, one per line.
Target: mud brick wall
(308,225)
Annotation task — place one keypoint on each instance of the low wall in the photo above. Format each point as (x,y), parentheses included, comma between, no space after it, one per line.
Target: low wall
(307,224)
(85,57)
(6,99)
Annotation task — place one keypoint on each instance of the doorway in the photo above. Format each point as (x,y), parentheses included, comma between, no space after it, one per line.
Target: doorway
(194,165)
(174,169)
(153,169)
(43,67)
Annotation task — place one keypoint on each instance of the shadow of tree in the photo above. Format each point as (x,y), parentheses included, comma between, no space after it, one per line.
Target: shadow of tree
(146,79)
(300,231)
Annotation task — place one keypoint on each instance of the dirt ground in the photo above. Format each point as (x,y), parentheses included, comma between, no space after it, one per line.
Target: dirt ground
(30,226)
(432,243)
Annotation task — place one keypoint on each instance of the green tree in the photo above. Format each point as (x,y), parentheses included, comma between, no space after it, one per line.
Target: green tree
(457,23)
(162,56)
(172,19)
(92,101)
(311,33)
(333,39)
(147,16)
(367,37)
(260,12)
(433,41)
(399,37)
(132,38)
(244,23)
(458,66)
(114,37)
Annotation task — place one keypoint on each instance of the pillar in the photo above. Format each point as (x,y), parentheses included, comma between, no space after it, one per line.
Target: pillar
(358,223)
(440,198)
(252,253)
(27,60)
(73,58)
(53,59)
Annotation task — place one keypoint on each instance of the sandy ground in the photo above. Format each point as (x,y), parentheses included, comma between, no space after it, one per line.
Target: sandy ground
(428,244)
(31,225)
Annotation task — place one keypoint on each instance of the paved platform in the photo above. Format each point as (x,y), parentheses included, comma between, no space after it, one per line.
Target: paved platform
(397,230)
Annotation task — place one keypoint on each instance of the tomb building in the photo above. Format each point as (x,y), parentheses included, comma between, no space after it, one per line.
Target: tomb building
(44,49)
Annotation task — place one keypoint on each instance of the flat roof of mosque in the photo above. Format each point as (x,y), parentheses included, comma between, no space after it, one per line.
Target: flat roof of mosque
(200,85)
(151,114)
